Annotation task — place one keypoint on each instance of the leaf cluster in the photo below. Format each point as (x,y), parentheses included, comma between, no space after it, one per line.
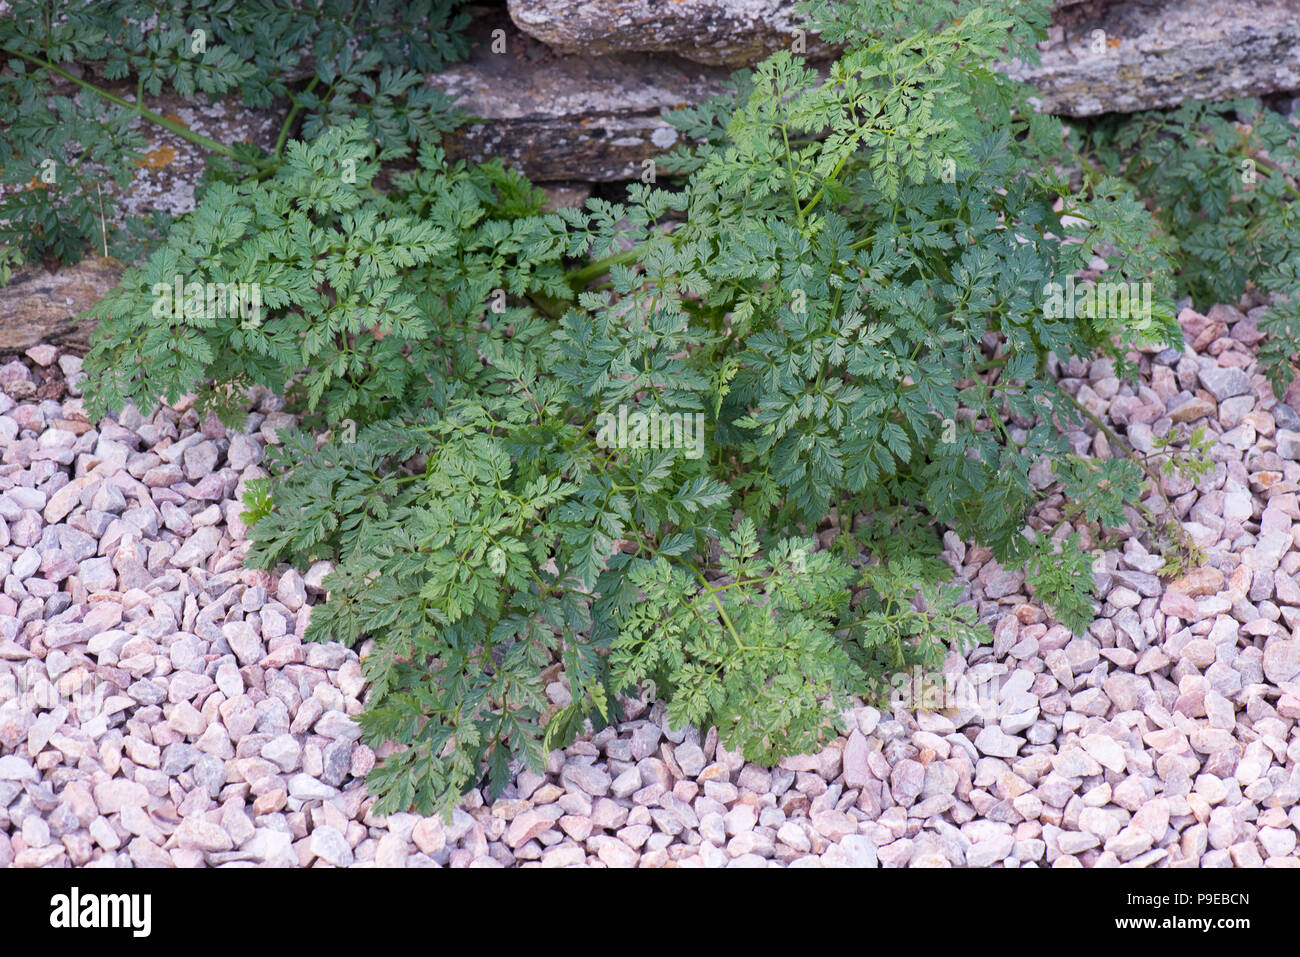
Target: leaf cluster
(69,120)
(1221,180)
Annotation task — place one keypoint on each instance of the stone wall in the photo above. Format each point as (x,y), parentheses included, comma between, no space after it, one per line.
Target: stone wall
(577,91)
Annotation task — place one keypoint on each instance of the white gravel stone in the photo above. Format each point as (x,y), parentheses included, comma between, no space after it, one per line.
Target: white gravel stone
(992,741)
(1105,748)
(331,846)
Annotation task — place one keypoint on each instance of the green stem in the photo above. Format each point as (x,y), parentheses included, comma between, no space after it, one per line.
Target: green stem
(722,611)
(789,162)
(581,276)
(817,197)
(288,120)
(990,364)
(550,308)
(183,132)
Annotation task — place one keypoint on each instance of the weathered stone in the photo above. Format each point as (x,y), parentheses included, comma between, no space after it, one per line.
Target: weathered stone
(112,796)
(596,116)
(15,768)
(39,306)
(1157,55)
(203,835)
(593,780)
(1224,382)
(527,826)
(992,741)
(722,32)
(331,846)
(1198,582)
(1282,659)
(591,118)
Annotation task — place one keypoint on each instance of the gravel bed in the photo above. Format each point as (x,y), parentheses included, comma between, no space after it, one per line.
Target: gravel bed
(159,708)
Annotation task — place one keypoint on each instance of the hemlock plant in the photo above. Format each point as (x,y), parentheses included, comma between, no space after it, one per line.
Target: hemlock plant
(846,287)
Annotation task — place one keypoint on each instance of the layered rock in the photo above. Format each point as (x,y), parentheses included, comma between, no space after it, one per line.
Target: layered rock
(718,32)
(1159,55)
(569,117)
(38,306)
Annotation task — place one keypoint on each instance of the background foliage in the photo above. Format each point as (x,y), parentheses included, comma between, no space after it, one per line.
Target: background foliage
(87,121)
